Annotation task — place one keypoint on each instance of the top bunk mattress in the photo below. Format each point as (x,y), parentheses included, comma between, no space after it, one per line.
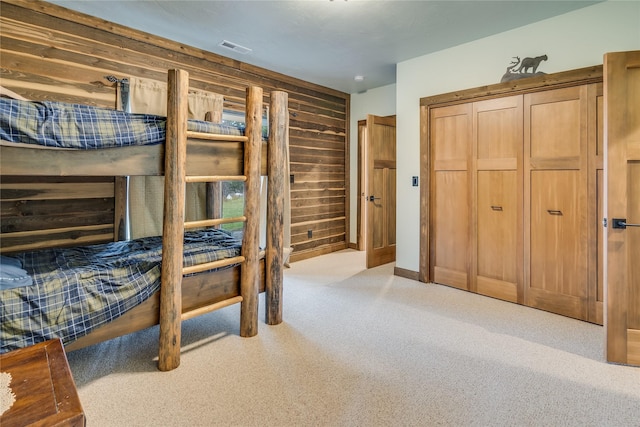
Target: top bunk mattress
(75,126)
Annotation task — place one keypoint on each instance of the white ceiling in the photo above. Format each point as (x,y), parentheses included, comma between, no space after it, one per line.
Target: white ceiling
(327,42)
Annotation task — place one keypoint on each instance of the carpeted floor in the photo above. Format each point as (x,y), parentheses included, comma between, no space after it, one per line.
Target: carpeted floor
(365,348)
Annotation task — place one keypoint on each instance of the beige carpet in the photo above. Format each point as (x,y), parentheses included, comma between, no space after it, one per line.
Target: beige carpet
(365,348)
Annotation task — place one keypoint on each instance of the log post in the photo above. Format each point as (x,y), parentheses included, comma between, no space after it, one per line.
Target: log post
(251,238)
(173,223)
(278,133)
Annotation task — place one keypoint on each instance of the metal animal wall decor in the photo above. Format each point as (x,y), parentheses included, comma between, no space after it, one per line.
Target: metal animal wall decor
(528,67)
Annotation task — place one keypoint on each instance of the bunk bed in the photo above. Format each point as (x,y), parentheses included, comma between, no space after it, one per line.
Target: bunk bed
(191,280)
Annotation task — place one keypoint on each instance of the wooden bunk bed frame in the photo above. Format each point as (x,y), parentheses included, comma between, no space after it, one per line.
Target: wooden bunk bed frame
(191,157)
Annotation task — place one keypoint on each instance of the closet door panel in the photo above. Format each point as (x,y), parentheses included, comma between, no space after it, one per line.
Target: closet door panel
(497,204)
(451,219)
(556,133)
(556,211)
(497,237)
(499,128)
(450,227)
(556,219)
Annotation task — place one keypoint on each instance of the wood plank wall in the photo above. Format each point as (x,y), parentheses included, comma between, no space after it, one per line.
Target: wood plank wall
(52,53)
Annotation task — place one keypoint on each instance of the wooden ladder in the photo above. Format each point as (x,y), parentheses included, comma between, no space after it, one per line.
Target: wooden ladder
(174,225)
(198,268)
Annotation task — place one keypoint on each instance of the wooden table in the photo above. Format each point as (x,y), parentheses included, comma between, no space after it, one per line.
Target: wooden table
(43,386)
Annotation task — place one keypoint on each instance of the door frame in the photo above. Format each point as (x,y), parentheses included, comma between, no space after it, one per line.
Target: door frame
(361,239)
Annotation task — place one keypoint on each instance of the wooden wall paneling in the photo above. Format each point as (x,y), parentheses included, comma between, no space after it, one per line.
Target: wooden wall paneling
(52,53)
(69,211)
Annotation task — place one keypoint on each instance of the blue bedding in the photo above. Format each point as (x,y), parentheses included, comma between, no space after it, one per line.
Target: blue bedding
(75,290)
(63,125)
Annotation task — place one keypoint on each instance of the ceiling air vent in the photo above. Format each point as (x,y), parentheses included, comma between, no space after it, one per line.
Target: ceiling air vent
(235,47)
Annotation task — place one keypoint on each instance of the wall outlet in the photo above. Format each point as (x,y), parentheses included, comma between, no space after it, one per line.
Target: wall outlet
(309,234)
(414,181)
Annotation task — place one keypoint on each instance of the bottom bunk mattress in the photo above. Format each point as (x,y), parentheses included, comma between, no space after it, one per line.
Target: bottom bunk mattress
(68,292)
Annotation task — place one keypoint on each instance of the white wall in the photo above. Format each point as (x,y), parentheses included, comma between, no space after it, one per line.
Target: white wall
(380,102)
(574,40)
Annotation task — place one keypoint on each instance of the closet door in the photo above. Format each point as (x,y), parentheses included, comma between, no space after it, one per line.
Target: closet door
(450,194)
(556,220)
(497,204)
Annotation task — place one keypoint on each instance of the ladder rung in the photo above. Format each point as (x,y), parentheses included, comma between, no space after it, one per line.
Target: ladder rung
(213,264)
(216,178)
(216,137)
(209,308)
(212,222)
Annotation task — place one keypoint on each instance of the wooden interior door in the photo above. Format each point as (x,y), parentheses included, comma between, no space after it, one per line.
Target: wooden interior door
(622,175)
(381,185)
(450,194)
(497,165)
(556,227)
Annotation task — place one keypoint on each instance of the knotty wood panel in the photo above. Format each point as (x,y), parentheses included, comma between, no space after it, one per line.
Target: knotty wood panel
(51,53)
(56,211)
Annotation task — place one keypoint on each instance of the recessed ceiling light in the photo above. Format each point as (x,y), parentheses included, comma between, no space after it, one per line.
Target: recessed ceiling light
(235,47)
(358,78)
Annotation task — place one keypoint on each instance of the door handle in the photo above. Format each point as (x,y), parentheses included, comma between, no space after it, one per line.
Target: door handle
(621,223)
(372,198)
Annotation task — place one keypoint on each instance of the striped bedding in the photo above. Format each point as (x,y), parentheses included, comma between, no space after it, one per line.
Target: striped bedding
(75,290)
(63,125)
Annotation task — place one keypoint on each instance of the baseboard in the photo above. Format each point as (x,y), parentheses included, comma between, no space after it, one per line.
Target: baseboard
(407,274)
(353,246)
(327,249)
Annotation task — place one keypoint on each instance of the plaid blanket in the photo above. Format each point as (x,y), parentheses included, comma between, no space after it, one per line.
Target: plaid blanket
(62,125)
(75,290)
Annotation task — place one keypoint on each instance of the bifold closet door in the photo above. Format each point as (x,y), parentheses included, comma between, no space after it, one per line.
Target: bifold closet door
(555,204)
(450,194)
(496,262)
